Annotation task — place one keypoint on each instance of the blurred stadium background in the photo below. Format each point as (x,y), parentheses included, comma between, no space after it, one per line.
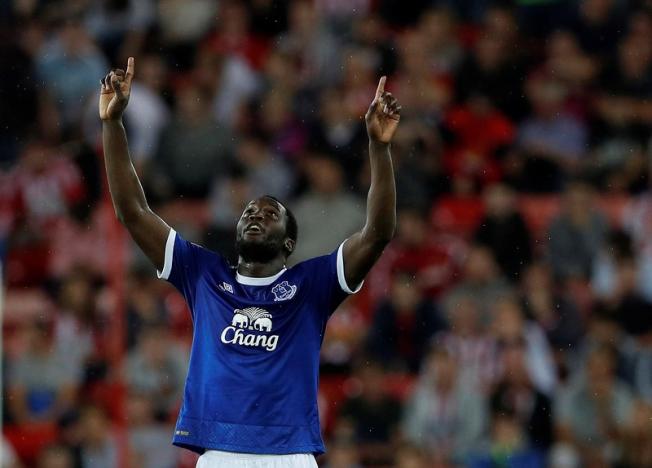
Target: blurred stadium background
(508,324)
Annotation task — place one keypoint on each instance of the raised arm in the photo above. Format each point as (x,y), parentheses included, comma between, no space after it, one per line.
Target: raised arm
(363,248)
(148,230)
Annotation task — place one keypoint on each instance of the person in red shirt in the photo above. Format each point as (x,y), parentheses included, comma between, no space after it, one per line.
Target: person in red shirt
(433,257)
(476,131)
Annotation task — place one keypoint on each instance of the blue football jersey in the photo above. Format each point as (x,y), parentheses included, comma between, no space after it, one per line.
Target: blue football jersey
(254,364)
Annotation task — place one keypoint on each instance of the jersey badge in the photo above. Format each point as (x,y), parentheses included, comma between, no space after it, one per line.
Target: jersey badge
(284,291)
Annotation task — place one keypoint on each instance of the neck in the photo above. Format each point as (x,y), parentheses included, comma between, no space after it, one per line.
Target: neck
(261,270)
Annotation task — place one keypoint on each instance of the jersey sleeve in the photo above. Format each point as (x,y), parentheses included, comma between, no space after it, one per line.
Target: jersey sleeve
(182,266)
(329,284)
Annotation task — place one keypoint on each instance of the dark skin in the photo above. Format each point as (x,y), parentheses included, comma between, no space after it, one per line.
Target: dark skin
(263,219)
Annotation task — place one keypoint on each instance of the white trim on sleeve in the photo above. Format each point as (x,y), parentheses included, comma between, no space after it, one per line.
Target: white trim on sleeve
(169,255)
(340,273)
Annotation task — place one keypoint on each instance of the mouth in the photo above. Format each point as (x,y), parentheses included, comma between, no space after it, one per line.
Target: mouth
(254,228)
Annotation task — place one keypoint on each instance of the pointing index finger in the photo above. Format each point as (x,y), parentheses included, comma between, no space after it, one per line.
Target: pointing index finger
(130,70)
(381,87)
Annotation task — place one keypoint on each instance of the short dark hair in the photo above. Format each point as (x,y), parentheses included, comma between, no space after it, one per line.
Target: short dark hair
(291,227)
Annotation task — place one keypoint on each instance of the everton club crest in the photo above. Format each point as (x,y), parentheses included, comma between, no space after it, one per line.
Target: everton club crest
(284,291)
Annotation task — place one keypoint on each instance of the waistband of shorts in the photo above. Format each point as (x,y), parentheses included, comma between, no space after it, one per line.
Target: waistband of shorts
(222,455)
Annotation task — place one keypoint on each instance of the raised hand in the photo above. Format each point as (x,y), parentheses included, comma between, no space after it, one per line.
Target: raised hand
(115,91)
(383,115)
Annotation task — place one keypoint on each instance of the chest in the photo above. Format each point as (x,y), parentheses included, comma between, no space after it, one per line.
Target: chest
(249,313)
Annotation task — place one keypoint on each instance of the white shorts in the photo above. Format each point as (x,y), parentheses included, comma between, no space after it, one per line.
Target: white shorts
(219,459)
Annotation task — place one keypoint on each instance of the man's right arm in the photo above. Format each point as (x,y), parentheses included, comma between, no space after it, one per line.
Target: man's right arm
(148,230)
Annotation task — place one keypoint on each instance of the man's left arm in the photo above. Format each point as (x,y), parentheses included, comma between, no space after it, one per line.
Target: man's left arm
(363,248)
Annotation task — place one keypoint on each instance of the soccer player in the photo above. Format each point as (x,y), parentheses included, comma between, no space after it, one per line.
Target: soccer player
(251,392)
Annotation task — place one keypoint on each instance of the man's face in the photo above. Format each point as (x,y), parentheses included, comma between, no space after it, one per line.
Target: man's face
(261,231)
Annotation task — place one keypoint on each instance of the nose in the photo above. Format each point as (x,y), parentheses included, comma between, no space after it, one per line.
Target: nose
(255,216)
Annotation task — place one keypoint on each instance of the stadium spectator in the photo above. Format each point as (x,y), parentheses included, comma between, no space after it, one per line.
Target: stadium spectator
(516,394)
(445,416)
(374,414)
(192,135)
(491,69)
(553,140)
(632,311)
(182,24)
(327,195)
(403,325)
(598,24)
(99,447)
(78,333)
(19,108)
(69,63)
(636,223)
(277,122)
(265,171)
(228,80)
(594,409)
(504,231)
(229,195)
(468,342)
(42,383)
(148,438)
(510,328)
(339,133)
(622,110)
(439,25)
(311,45)
(434,258)
(47,183)
(577,234)
(507,446)
(120,28)
(476,131)
(481,279)
(149,113)
(145,307)
(156,367)
(556,313)
(423,92)
(569,63)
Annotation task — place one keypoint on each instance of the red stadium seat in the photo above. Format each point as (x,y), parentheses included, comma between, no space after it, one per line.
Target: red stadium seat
(457,215)
(28,440)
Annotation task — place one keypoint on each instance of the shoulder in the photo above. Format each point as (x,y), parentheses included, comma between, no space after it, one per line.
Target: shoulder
(187,253)
(311,262)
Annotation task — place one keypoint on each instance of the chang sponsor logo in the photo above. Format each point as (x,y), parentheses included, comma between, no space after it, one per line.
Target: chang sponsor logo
(251,318)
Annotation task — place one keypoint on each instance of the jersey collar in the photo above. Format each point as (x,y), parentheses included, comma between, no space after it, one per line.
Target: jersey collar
(255,281)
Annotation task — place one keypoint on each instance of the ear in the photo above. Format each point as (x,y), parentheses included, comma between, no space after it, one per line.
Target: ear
(289,245)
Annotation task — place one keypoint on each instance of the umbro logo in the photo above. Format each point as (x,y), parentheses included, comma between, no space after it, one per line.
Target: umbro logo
(226,287)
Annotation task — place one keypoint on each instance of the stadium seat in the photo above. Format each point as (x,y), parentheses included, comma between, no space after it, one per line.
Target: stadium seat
(29,439)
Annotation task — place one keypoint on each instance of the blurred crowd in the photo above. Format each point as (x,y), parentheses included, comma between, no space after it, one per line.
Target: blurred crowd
(508,324)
